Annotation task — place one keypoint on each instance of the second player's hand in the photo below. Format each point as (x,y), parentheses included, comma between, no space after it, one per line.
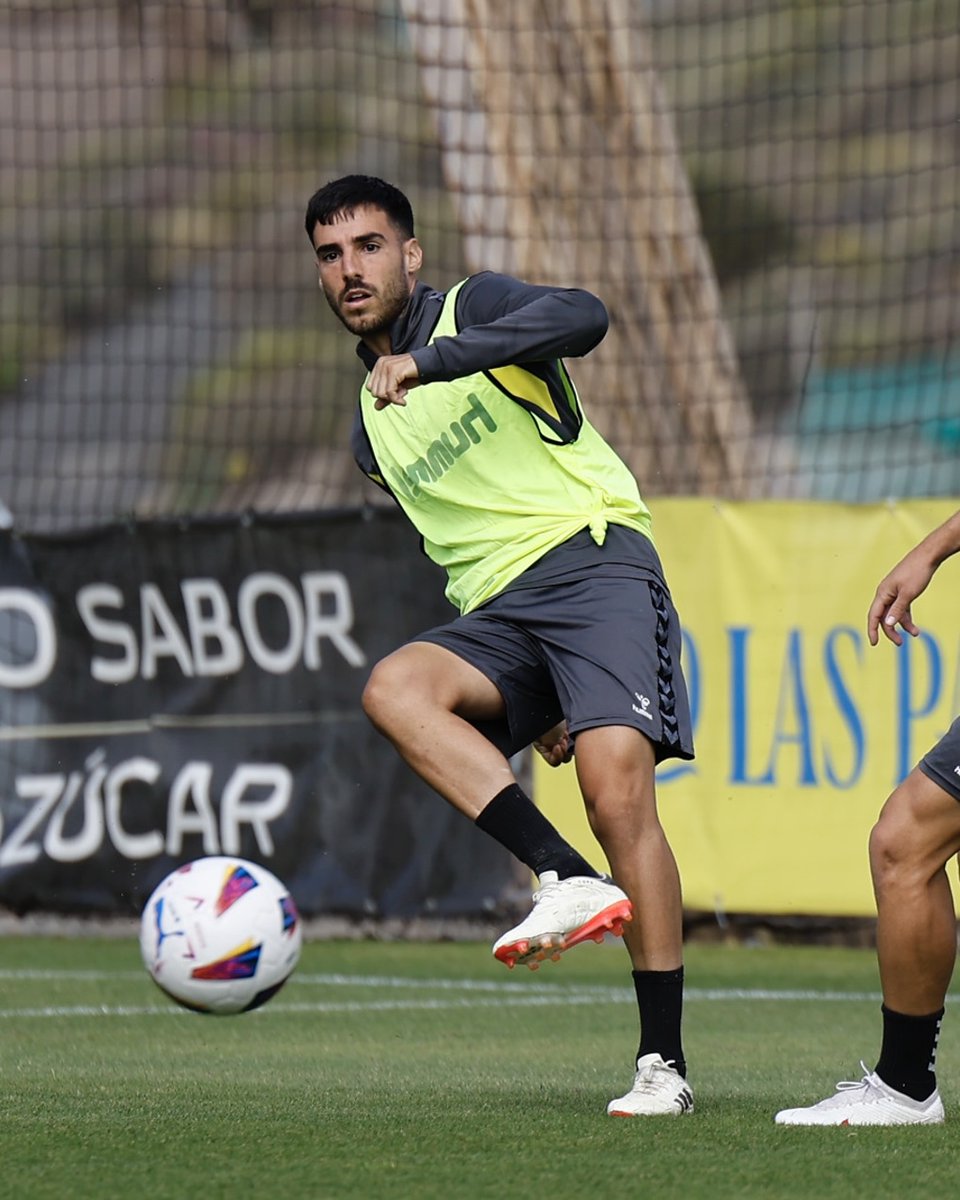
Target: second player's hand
(894,596)
(393,375)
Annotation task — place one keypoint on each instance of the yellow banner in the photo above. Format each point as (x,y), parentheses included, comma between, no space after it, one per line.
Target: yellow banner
(802,727)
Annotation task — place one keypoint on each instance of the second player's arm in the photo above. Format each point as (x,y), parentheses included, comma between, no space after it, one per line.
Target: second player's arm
(896,591)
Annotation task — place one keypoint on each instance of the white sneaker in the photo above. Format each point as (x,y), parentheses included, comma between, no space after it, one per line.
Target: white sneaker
(867,1102)
(565,912)
(659,1090)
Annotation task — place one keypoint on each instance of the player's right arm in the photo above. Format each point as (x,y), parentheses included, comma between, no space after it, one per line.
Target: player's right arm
(896,591)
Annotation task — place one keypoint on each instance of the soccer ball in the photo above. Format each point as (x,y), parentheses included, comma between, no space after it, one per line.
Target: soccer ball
(220,935)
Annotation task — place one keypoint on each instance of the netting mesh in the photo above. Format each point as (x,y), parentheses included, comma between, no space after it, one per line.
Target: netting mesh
(764,194)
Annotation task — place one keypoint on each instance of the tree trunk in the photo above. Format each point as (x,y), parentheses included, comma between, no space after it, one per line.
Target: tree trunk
(561,161)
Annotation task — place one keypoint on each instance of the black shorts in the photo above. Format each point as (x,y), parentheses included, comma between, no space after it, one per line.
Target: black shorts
(589,635)
(942,763)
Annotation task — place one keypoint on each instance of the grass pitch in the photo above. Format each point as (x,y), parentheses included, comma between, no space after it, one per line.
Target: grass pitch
(395,1071)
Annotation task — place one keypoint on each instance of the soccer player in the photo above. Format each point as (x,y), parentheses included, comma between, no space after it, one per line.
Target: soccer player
(916,835)
(567,634)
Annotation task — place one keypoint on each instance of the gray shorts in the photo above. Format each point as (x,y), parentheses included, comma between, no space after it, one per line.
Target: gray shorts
(942,763)
(595,642)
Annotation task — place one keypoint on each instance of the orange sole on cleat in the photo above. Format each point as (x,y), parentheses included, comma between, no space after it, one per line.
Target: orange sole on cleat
(611,920)
(530,954)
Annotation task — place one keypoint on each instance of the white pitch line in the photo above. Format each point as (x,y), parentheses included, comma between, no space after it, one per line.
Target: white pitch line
(561,999)
(17,973)
(554,991)
(561,990)
(361,1006)
(511,993)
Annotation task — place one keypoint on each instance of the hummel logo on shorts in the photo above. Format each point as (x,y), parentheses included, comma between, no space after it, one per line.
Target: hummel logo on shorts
(642,711)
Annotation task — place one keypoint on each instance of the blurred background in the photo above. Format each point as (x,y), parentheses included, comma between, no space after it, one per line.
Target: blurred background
(764,194)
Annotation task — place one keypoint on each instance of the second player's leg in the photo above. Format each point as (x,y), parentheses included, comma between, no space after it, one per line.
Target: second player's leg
(916,835)
(615,768)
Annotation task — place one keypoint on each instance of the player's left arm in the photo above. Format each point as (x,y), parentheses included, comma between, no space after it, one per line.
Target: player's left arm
(503,321)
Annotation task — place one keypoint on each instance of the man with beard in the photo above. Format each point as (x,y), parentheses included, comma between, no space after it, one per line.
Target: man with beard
(567,635)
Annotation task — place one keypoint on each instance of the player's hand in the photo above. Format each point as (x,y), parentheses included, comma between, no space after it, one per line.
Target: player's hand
(555,746)
(895,593)
(392,377)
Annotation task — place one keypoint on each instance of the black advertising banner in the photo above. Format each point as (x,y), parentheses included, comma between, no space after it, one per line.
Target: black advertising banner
(169,691)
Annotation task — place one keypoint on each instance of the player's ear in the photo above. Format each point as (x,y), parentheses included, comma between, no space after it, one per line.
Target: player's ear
(412,255)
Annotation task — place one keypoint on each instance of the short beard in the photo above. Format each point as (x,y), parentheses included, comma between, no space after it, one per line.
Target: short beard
(393,302)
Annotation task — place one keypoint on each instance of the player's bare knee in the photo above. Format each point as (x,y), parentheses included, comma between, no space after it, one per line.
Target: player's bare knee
(597,818)
(399,688)
(383,696)
(619,816)
(371,701)
(885,854)
(901,860)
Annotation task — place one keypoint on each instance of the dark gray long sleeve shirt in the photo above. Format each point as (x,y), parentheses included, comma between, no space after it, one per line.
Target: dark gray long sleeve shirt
(500,321)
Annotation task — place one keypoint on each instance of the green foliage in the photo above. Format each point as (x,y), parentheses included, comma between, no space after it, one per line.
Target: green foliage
(742,228)
(240,419)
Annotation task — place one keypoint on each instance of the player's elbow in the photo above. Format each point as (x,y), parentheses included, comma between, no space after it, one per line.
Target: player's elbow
(593,324)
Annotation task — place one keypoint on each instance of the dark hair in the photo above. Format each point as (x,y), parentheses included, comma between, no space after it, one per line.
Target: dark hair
(341,197)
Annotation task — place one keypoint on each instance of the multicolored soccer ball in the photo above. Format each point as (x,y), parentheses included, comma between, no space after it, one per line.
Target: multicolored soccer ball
(220,935)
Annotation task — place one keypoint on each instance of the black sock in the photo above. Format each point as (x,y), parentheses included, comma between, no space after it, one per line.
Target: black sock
(908,1054)
(660,1000)
(515,821)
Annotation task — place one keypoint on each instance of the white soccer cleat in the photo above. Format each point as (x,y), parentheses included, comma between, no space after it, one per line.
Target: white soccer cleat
(868,1101)
(565,912)
(659,1090)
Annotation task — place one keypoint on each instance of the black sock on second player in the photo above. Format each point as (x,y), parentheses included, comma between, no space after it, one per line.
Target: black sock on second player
(908,1054)
(516,823)
(660,999)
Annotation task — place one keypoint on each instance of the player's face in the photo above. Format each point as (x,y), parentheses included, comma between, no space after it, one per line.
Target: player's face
(367,269)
